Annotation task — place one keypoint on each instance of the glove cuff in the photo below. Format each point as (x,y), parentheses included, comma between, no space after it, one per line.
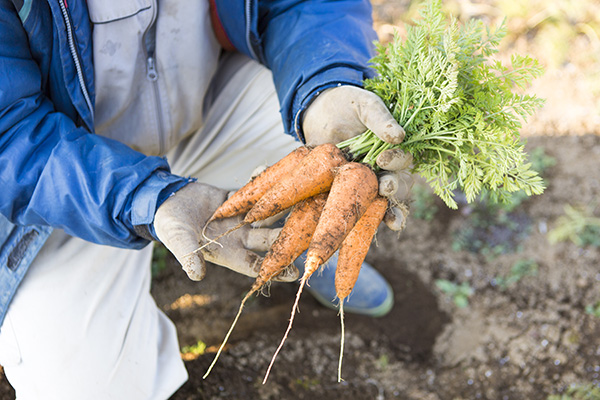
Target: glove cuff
(310,89)
(156,189)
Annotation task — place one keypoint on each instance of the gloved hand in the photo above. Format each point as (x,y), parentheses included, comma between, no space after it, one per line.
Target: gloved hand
(343,112)
(179,222)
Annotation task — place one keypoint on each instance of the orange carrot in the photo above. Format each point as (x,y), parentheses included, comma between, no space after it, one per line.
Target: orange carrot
(293,239)
(243,199)
(353,251)
(313,176)
(356,245)
(353,189)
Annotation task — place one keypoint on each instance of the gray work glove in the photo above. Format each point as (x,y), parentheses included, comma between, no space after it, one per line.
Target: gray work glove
(179,223)
(343,112)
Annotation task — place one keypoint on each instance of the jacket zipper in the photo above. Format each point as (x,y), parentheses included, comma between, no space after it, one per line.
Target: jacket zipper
(152,76)
(248,28)
(75,56)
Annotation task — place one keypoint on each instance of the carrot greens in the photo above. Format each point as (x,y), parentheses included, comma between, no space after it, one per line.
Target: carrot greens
(458,106)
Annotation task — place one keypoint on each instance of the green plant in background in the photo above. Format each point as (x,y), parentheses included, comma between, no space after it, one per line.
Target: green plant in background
(587,391)
(593,309)
(383,361)
(578,225)
(423,203)
(518,271)
(492,228)
(459,293)
(159,259)
(491,232)
(457,106)
(197,349)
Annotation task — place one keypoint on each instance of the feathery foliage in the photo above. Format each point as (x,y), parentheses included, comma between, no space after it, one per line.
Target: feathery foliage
(457,105)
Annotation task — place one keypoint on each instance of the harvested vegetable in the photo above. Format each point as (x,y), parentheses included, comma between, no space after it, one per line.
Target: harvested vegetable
(458,106)
(292,241)
(354,188)
(353,251)
(313,176)
(245,198)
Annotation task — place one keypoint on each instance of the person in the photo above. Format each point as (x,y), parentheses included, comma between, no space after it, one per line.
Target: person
(126,122)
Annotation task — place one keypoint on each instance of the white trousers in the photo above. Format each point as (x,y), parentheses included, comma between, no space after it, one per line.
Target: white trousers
(83,324)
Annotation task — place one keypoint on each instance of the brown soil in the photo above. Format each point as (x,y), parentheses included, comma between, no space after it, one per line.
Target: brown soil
(525,342)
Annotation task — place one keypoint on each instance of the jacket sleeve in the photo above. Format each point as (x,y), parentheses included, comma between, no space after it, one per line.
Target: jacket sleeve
(54,173)
(308,45)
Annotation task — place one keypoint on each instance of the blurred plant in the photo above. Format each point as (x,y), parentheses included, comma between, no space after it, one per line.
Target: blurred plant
(307,384)
(383,361)
(159,259)
(552,26)
(459,293)
(578,225)
(491,231)
(423,204)
(593,309)
(197,349)
(587,391)
(493,228)
(519,270)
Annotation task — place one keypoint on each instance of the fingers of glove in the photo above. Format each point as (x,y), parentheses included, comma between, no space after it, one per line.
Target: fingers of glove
(260,239)
(182,242)
(289,274)
(388,185)
(375,116)
(238,259)
(194,266)
(395,217)
(271,220)
(394,160)
(345,111)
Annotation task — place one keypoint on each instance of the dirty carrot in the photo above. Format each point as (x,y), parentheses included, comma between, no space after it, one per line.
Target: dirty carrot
(293,239)
(314,175)
(243,199)
(353,251)
(353,189)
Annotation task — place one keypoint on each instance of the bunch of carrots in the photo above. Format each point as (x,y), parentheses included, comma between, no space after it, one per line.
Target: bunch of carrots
(335,205)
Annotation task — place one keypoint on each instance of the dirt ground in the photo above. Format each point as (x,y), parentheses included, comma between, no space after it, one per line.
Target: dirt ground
(528,340)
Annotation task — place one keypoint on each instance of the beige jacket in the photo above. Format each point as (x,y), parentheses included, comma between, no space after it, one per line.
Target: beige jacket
(150,86)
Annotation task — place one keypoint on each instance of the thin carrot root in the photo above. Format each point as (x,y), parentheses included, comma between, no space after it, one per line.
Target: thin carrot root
(311,265)
(289,328)
(215,240)
(342,341)
(235,320)
(293,239)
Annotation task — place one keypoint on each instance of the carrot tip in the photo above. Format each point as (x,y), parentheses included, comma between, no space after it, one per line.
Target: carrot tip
(289,328)
(342,341)
(228,334)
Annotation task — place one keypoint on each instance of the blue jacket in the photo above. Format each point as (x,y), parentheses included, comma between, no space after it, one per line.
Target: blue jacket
(55,173)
